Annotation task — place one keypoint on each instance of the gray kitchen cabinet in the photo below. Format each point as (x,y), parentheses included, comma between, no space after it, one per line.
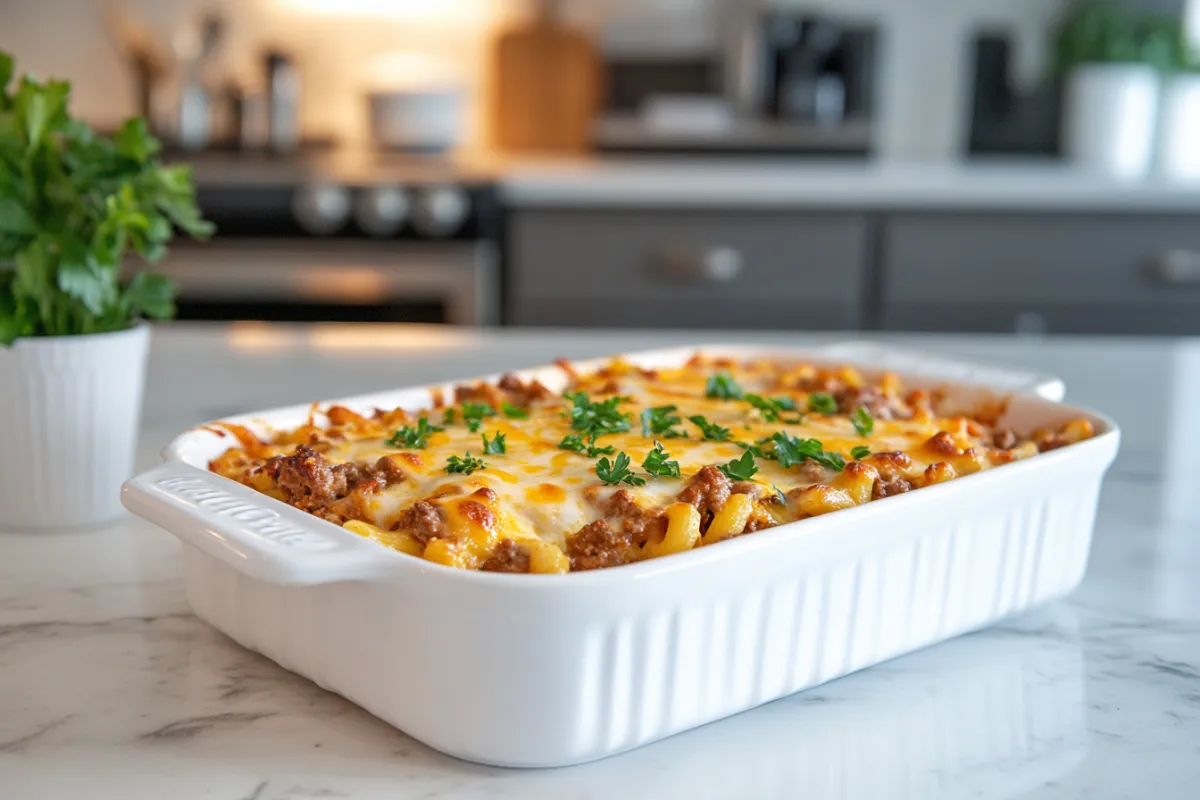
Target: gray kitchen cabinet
(686,268)
(1054,272)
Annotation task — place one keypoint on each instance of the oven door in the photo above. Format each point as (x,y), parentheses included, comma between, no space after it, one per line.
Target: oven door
(302,280)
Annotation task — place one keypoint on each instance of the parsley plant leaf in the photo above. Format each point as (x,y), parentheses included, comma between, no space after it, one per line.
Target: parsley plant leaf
(410,438)
(618,472)
(661,421)
(863,422)
(740,469)
(465,465)
(495,447)
(860,452)
(772,408)
(711,430)
(822,403)
(722,386)
(514,412)
(473,414)
(656,463)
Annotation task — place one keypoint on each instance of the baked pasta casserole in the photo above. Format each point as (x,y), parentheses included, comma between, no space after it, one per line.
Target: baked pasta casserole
(627,464)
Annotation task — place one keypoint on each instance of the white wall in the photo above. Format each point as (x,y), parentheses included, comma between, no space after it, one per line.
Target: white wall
(925,69)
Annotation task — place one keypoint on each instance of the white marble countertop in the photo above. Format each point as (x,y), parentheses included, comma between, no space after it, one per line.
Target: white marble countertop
(871,186)
(110,688)
(733,182)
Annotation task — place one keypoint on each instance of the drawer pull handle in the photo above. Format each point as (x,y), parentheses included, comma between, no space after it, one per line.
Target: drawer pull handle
(716,265)
(1178,268)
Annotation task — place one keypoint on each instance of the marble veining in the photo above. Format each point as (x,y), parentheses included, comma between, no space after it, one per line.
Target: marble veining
(111,688)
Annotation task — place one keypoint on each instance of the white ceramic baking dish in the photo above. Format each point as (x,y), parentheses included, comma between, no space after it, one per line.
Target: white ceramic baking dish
(539,671)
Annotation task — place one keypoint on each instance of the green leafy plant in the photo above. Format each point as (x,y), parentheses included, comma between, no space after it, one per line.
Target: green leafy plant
(1099,32)
(73,205)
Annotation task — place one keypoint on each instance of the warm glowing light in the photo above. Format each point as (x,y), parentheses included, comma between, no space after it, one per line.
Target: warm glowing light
(260,337)
(336,336)
(387,8)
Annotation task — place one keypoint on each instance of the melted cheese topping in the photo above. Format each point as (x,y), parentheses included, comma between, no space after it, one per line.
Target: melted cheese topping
(536,493)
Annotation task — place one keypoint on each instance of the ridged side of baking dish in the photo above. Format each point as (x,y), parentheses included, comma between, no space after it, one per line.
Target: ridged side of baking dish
(536,671)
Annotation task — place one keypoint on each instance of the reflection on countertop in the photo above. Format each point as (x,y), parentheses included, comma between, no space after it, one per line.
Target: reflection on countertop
(114,689)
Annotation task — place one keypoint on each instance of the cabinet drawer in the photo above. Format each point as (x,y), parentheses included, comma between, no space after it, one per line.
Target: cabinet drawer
(686,259)
(1055,260)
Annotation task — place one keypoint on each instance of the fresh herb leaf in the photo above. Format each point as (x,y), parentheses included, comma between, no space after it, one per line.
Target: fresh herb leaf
(779,493)
(619,472)
(513,412)
(597,418)
(789,450)
(711,430)
(753,448)
(722,386)
(465,465)
(449,417)
(860,452)
(575,443)
(661,421)
(151,295)
(863,422)
(822,403)
(772,408)
(740,469)
(656,463)
(73,207)
(496,447)
(473,414)
(409,437)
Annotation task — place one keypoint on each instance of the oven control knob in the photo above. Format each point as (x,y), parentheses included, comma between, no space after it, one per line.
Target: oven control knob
(440,210)
(321,208)
(382,211)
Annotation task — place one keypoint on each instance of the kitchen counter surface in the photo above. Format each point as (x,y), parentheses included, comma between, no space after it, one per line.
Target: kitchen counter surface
(1022,186)
(110,688)
(726,182)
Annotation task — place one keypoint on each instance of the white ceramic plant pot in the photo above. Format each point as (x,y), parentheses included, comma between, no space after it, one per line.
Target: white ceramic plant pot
(1179,129)
(1111,112)
(69,408)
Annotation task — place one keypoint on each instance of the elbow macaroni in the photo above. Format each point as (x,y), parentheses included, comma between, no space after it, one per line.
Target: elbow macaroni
(511,477)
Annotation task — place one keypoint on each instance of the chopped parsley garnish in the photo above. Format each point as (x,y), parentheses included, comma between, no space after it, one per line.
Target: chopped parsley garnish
(722,386)
(576,444)
(822,403)
(753,448)
(789,450)
(449,417)
(772,408)
(513,412)
(711,430)
(860,452)
(779,493)
(412,438)
(740,469)
(495,447)
(617,473)
(661,421)
(473,414)
(863,422)
(465,465)
(597,418)
(656,463)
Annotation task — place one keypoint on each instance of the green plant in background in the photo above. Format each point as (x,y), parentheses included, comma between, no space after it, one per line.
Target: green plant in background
(73,205)
(1098,32)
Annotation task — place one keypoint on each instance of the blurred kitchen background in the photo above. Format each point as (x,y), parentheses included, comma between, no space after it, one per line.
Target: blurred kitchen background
(907,165)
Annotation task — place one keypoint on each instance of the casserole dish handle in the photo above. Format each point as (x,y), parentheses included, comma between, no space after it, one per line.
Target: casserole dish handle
(260,537)
(936,365)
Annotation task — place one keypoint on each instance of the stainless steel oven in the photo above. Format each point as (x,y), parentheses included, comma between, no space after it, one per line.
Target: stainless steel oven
(387,249)
(294,280)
